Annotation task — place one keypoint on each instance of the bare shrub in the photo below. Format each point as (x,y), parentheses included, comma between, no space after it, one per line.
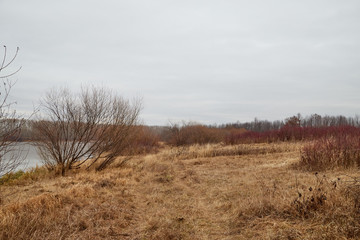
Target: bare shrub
(10,122)
(341,151)
(193,133)
(144,141)
(290,132)
(314,198)
(93,125)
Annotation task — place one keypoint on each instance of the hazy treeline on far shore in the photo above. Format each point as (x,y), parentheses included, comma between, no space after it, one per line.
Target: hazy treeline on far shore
(167,133)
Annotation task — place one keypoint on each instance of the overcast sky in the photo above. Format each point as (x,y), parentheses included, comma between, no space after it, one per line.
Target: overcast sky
(206,61)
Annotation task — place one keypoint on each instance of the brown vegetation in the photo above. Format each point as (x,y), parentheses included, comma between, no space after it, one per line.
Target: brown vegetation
(143,140)
(194,133)
(93,125)
(340,151)
(194,192)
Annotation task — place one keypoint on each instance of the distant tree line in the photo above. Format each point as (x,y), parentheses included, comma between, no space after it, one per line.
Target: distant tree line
(187,133)
(314,120)
(294,128)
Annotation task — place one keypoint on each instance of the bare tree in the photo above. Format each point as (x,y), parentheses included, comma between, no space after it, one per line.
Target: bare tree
(93,125)
(10,123)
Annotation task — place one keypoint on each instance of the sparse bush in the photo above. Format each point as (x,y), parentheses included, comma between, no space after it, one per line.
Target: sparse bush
(194,134)
(96,124)
(342,151)
(144,141)
(243,137)
(314,198)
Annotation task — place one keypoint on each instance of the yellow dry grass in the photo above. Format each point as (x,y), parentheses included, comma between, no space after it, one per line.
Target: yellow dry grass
(197,192)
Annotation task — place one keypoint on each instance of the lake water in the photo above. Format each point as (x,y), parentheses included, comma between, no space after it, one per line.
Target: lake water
(29,154)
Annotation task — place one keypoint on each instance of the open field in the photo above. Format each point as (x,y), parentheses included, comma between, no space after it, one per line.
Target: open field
(252,191)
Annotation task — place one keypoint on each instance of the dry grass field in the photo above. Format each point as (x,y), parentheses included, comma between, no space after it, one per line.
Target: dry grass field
(199,192)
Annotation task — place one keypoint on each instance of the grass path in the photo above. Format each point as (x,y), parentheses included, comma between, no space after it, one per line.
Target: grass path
(195,198)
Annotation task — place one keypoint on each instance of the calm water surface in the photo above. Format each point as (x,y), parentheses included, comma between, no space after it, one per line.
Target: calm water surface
(29,154)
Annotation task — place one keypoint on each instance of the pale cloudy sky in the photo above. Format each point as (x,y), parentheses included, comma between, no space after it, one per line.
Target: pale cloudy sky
(207,61)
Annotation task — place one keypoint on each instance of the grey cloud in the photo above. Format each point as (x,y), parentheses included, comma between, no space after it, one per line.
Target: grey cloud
(212,61)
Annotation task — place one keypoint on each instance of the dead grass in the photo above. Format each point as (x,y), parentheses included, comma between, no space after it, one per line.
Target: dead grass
(342,151)
(217,150)
(197,192)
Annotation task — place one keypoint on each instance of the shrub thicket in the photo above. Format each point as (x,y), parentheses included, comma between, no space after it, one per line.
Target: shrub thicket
(144,140)
(342,150)
(291,133)
(189,134)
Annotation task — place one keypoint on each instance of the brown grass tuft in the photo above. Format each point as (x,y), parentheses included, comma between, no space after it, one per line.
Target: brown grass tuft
(342,151)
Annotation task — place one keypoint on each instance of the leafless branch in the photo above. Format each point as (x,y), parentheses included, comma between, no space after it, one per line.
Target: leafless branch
(10,123)
(5,64)
(94,125)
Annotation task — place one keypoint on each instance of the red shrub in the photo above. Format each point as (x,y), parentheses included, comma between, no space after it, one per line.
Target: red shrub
(291,133)
(342,150)
(143,141)
(195,134)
